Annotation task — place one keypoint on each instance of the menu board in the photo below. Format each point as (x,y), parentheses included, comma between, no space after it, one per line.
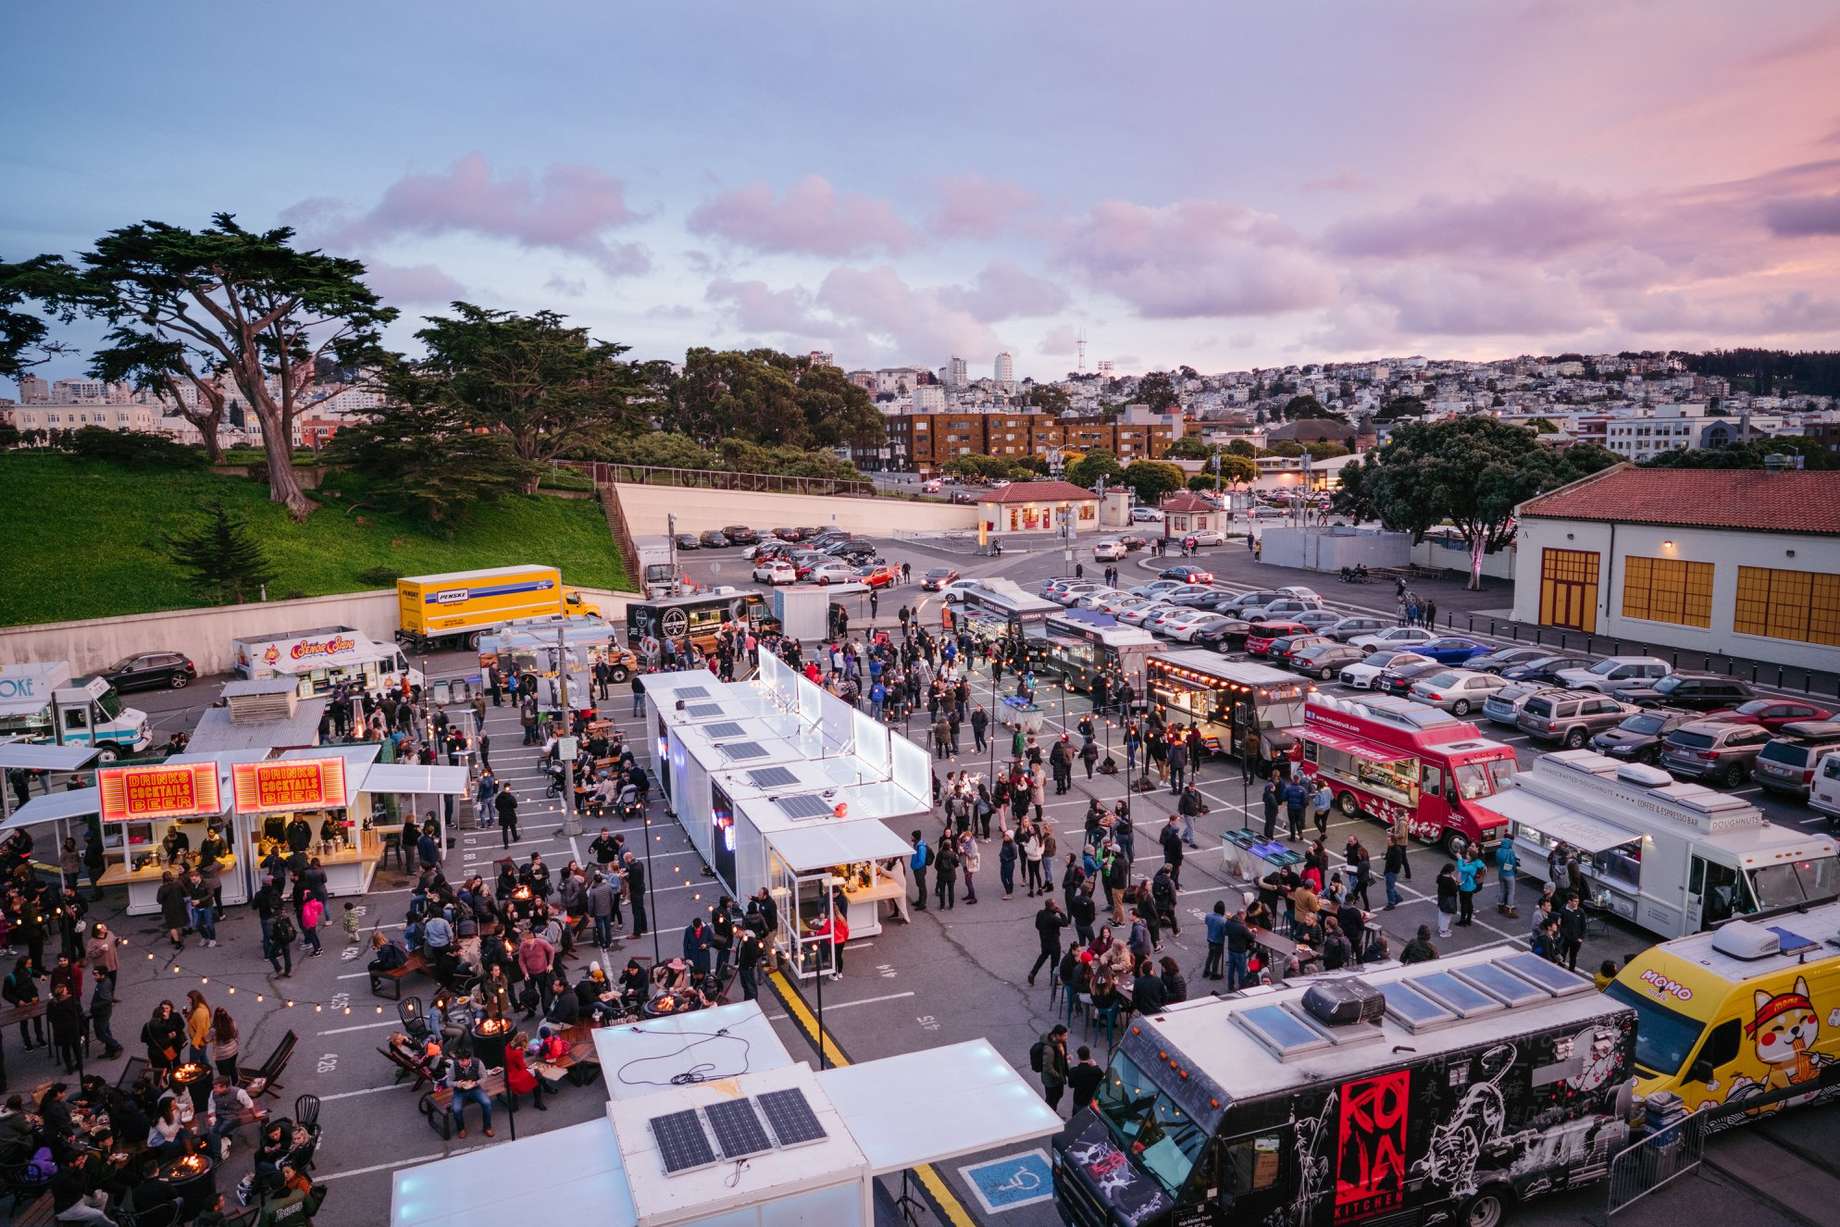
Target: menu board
(289,784)
(178,790)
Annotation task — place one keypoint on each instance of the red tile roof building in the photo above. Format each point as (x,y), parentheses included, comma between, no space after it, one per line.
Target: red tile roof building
(1742,500)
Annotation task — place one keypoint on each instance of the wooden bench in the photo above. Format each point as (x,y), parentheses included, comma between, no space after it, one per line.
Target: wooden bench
(265,1079)
(395,975)
(437,1105)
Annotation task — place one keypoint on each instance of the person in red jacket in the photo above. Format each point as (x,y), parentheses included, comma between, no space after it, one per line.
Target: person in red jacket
(838,931)
(520,1079)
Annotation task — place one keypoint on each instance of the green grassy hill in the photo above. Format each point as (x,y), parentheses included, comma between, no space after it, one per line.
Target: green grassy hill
(85,539)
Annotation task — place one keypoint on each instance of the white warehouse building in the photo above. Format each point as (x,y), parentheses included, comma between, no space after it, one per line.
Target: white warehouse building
(1738,562)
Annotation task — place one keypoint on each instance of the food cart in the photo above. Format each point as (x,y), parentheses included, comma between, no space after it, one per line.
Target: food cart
(1084,644)
(319,659)
(322,787)
(1001,611)
(1243,709)
(141,805)
(809,865)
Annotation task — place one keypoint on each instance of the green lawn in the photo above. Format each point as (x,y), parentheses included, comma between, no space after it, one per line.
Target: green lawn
(86,539)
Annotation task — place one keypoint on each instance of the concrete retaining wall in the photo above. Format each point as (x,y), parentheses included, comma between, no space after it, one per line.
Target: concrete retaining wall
(1316,550)
(646,507)
(1450,554)
(205,635)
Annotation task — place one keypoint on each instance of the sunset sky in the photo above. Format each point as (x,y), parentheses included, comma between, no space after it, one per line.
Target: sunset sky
(1222,184)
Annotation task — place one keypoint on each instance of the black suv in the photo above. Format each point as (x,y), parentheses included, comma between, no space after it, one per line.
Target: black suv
(149,669)
(1690,692)
(1546,668)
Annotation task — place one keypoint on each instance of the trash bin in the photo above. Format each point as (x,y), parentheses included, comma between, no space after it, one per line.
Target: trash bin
(441,689)
(462,690)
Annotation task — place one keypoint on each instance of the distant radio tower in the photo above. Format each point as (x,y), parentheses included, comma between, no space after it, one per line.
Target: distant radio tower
(1080,342)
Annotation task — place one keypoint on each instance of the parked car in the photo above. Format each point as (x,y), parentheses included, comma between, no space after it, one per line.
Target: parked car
(852,551)
(1143,613)
(789,534)
(1204,536)
(1096,599)
(688,541)
(1300,590)
(1713,750)
(1194,596)
(1318,620)
(1504,658)
(712,539)
(1504,706)
(1236,606)
(170,670)
(1324,660)
(740,534)
(1457,691)
(1109,551)
(1399,682)
(1546,669)
(1346,629)
(1395,637)
(954,590)
(1259,639)
(1786,764)
(1188,573)
(1285,646)
(1159,619)
(1146,515)
(1072,592)
(1284,607)
(776,571)
(935,578)
(1571,717)
(1156,587)
(1454,650)
(882,576)
(1365,674)
(833,572)
(1638,738)
(1221,632)
(1771,713)
(1616,673)
(1691,692)
(1191,624)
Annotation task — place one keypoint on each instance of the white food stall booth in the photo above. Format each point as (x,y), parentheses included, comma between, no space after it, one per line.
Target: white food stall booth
(760,1141)
(1670,857)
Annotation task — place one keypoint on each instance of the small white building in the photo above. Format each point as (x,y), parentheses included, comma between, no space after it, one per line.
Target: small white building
(1741,562)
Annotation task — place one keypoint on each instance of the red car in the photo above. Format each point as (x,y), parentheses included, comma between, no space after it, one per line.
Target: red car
(881,577)
(1770,713)
(1258,639)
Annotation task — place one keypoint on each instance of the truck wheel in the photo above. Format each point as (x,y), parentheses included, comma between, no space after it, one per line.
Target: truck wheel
(621,675)
(472,640)
(1348,805)
(179,681)
(107,753)
(1489,1208)
(1575,739)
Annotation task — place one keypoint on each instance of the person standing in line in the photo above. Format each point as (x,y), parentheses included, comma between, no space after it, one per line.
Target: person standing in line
(1049,922)
(1295,798)
(1054,1066)
(1446,898)
(1323,799)
(1178,763)
(1571,930)
(1215,924)
(635,891)
(1083,1078)
(922,857)
(1470,871)
(507,806)
(1507,865)
(1170,837)
(1394,865)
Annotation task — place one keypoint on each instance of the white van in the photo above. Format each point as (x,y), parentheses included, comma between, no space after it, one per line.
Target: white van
(1824,788)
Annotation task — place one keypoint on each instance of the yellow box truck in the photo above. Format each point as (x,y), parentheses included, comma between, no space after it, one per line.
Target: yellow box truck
(458,607)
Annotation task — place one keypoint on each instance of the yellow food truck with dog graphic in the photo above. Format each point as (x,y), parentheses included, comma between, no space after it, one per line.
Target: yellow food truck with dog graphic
(1744,1020)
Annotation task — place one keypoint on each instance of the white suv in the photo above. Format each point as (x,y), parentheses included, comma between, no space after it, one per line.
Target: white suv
(1615,673)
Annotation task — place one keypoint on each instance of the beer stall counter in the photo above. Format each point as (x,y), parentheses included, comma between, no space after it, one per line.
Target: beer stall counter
(141,806)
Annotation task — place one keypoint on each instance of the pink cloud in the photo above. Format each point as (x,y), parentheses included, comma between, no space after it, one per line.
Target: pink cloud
(917,323)
(1479,300)
(1341,181)
(412,283)
(1196,258)
(568,209)
(1527,222)
(1061,341)
(812,218)
(1804,216)
(971,206)
(756,307)
(1005,290)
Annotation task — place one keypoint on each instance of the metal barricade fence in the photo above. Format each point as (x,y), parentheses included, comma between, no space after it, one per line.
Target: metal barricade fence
(1656,1160)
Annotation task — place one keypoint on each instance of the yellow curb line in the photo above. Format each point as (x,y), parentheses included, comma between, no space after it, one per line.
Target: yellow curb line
(929,1178)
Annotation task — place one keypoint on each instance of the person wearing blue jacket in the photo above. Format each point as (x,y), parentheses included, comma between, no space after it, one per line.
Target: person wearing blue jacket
(1469,881)
(922,857)
(1507,864)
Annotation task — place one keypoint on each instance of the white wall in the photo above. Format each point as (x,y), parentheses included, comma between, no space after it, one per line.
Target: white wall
(1448,554)
(205,635)
(1727,551)
(645,509)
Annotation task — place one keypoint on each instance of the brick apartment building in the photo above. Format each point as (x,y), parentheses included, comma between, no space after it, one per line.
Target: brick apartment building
(925,442)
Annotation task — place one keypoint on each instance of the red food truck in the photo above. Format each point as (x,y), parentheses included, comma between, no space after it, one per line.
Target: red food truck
(1399,761)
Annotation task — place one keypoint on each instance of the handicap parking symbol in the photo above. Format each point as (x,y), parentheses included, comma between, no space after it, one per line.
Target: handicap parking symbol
(1017,1180)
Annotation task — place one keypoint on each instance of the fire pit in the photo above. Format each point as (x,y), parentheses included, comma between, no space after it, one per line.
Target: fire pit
(194,1181)
(666,1004)
(490,1035)
(194,1079)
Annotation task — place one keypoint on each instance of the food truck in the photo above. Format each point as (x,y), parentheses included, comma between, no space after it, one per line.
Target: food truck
(1669,857)
(533,646)
(1399,761)
(698,618)
(457,607)
(1448,1091)
(1740,1021)
(659,574)
(42,701)
(325,657)
(1248,710)
(1084,644)
(1001,611)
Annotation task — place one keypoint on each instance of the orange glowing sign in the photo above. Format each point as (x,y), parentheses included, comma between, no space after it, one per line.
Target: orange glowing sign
(136,794)
(289,783)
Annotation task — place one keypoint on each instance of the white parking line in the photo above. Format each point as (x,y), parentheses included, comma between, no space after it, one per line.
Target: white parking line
(374,1090)
(846,1005)
(360,1027)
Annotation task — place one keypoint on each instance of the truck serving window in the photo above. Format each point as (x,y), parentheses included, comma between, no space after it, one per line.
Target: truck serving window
(1663,1037)
(1796,882)
(1148,1124)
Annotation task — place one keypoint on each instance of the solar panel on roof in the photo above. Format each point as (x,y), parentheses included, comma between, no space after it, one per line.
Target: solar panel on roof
(703,711)
(772,777)
(738,1129)
(744,749)
(1447,990)
(1281,1032)
(693,692)
(1501,984)
(803,806)
(1549,976)
(682,1142)
(727,728)
(1414,1011)
(793,1121)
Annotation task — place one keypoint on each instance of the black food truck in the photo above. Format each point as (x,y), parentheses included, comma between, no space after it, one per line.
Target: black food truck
(1440,1092)
(1243,709)
(1000,611)
(695,619)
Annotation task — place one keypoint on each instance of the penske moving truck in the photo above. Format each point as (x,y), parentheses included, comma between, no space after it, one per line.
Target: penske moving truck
(1742,1021)
(458,607)
(42,701)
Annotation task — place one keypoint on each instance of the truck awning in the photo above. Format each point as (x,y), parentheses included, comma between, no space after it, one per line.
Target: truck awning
(1556,821)
(77,803)
(42,756)
(415,779)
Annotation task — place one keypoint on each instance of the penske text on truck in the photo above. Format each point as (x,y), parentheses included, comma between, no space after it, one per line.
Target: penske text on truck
(458,607)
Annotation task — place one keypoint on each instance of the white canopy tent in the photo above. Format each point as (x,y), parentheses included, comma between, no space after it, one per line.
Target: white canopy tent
(19,755)
(54,807)
(836,843)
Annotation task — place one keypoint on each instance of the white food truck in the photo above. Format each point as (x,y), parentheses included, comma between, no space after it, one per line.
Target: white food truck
(41,701)
(321,658)
(1672,858)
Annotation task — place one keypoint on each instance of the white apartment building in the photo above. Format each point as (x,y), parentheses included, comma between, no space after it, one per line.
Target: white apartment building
(1006,372)
(65,415)
(958,373)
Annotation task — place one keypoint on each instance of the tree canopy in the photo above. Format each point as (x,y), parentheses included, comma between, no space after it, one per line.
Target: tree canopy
(1152,479)
(1300,407)
(25,336)
(1049,398)
(223,557)
(768,397)
(1088,469)
(1401,407)
(1158,391)
(1746,455)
